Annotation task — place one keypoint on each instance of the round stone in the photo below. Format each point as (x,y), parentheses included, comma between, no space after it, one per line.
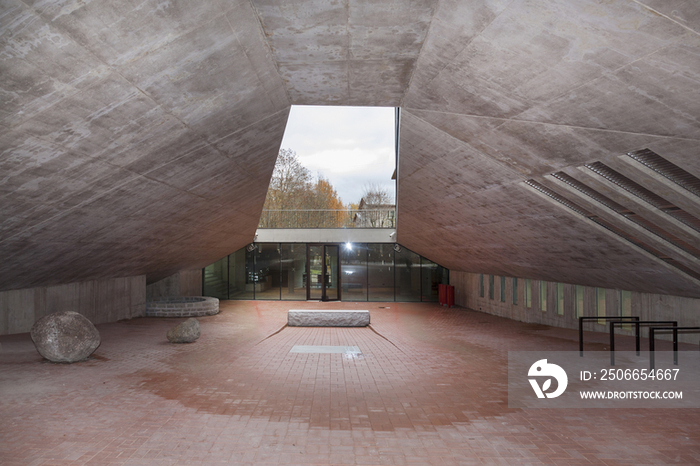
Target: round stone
(186,332)
(65,337)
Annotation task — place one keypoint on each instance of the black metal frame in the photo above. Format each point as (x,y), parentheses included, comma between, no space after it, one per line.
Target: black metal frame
(637,324)
(583,318)
(324,270)
(252,261)
(675,330)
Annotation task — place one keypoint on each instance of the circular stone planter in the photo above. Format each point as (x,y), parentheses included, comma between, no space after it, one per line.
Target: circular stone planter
(182,306)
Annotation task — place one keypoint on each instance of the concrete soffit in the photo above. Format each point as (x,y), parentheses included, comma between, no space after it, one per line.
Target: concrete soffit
(140,140)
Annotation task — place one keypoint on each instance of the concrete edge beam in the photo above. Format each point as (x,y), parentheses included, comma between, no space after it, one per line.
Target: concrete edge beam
(657,183)
(622,222)
(637,205)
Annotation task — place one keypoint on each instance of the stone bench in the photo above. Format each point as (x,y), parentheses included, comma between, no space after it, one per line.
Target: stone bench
(327,318)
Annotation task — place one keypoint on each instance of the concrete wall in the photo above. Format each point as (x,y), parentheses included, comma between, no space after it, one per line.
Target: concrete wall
(646,305)
(183,283)
(100,301)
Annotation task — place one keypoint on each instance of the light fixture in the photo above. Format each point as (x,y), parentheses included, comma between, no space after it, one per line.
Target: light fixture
(348,246)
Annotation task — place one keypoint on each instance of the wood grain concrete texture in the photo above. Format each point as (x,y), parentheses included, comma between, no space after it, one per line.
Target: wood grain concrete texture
(139,139)
(429,388)
(648,306)
(183,283)
(535,88)
(134,139)
(101,301)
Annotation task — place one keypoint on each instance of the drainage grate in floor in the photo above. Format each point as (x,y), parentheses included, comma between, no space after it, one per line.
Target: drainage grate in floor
(325,349)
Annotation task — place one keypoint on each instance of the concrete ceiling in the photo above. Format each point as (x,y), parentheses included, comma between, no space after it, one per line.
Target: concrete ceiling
(139,137)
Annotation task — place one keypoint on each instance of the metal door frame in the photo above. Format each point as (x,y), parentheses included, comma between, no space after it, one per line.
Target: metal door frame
(324,271)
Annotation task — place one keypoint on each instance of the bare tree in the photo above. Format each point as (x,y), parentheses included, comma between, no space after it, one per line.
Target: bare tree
(377,209)
(374,194)
(290,183)
(295,198)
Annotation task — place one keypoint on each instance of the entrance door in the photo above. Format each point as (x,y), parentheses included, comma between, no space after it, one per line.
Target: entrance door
(331,271)
(324,271)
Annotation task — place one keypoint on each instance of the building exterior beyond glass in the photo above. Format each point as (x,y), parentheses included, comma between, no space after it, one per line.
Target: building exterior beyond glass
(347,272)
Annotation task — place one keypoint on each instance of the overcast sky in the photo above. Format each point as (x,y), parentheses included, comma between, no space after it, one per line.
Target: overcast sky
(350,146)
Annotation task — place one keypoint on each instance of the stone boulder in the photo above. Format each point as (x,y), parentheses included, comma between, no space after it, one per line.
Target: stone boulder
(186,332)
(65,337)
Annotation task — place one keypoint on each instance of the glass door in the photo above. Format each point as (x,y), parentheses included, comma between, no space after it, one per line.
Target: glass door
(314,284)
(324,272)
(331,273)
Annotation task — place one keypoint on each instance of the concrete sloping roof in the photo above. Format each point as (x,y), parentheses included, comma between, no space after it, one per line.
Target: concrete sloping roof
(139,138)
(136,137)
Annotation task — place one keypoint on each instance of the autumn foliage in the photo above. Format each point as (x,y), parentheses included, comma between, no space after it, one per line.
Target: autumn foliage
(295,197)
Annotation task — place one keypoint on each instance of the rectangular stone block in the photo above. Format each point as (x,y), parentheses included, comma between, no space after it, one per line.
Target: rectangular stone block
(327,318)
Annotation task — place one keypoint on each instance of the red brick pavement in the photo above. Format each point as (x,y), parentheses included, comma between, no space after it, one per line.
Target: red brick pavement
(430,388)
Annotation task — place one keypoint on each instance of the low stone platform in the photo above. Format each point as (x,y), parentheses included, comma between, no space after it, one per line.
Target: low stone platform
(182,306)
(327,318)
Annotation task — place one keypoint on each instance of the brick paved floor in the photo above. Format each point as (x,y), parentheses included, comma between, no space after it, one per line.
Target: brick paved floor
(430,388)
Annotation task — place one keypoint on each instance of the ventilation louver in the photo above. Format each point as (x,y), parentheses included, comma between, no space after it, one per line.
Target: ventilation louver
(644,194)
(608,226)
(669,170)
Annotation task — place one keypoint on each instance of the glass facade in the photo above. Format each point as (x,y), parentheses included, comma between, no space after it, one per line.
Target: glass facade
(293,270)
(408,276)
(267,272)
(240,266)
(315,270)
(380,272)
(288,271)
(433,275)
(353,271)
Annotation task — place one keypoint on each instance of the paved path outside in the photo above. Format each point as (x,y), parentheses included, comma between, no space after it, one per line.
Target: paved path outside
(430,388)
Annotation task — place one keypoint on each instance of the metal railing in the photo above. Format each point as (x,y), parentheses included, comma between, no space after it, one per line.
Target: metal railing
(676,331)
(636,323)
(583,319)
(324,218)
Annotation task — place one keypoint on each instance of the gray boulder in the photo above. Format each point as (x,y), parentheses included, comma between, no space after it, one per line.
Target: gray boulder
(65,337)
(186,332)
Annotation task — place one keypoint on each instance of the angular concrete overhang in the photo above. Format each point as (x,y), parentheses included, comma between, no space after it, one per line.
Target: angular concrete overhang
(140,138)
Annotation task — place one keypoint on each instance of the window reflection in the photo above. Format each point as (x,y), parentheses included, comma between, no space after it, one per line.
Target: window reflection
(368,272)
(353,272)
(293,271)
(381,272)
(408,271)
(240,268)
(215,278)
